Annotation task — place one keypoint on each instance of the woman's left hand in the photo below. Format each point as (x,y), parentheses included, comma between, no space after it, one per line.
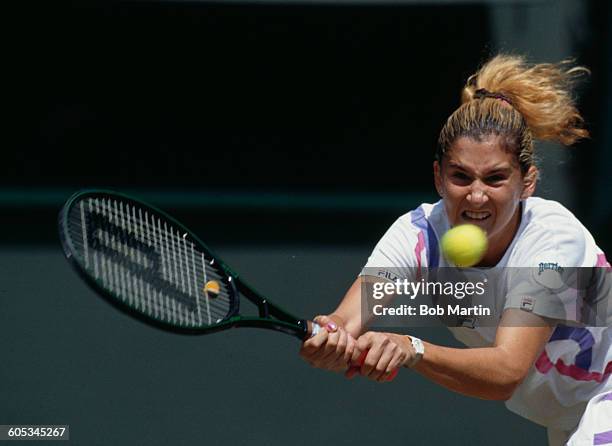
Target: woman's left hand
(386,352)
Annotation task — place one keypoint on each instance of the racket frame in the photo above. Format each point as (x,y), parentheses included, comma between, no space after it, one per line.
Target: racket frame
(271,316)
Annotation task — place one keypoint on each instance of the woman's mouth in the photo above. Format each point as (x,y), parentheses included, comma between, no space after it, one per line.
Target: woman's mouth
(475,215)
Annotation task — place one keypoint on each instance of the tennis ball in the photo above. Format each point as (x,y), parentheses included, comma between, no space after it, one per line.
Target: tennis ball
(464,245)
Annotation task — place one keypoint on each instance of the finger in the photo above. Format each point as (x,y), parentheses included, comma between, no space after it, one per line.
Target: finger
(352,371)
(338,360)
(355,368)
(351,343)
(313,345)
(335,360)
(366,340)
(371,360)
(363,344)
(320,319)
(380,370)
(397,361)
(329,349)
(326,357)
(392,375)
(361,356)
(395,364)
(326,322)
(342,343)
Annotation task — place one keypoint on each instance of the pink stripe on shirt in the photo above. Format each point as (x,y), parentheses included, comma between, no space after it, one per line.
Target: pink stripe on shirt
(419,248)
(544,364)
(602,261)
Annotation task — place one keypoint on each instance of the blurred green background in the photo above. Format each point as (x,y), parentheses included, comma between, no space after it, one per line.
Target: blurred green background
(288,135)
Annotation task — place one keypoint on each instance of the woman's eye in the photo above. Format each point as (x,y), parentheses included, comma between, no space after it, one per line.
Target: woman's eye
(495,179)
(460,176)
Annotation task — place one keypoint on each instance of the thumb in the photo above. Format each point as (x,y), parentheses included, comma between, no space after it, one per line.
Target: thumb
(326,322)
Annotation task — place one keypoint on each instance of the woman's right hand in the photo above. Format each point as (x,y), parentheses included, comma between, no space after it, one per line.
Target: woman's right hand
(332,348)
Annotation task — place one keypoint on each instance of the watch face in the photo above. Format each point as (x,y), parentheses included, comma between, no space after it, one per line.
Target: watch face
(418,346)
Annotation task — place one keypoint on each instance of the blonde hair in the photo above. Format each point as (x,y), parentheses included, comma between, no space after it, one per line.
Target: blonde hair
(519,102)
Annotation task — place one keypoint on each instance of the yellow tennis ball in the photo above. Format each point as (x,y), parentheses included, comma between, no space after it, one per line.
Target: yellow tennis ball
(464,245)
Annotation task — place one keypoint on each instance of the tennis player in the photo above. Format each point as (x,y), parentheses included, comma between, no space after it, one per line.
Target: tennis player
(485,173)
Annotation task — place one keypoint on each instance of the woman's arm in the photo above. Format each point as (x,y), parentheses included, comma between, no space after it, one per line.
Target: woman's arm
(489,373)
(348,313)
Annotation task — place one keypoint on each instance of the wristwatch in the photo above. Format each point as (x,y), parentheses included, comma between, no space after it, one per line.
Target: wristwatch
(419,348)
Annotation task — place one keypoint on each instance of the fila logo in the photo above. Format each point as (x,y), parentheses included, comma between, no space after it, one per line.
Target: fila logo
(527,303)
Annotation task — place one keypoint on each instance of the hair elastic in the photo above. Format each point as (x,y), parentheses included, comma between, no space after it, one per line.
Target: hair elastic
(482,93)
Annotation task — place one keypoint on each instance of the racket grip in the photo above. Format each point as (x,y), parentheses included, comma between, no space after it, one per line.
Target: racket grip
(313,328)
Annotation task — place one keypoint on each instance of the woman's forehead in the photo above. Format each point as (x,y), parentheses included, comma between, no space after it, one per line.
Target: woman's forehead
(486,154)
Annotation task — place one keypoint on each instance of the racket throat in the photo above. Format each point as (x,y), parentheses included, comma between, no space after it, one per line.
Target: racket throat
(264,308)
(297,327)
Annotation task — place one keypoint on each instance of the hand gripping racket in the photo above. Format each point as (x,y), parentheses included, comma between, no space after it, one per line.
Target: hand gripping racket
(150,266)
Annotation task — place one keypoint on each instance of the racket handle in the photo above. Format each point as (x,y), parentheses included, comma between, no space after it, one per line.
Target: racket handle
(313,328)
(354,370)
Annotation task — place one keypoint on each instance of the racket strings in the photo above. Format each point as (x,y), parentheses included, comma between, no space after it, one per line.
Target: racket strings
(169,242)
(154,300)
(127,285)
(151,267)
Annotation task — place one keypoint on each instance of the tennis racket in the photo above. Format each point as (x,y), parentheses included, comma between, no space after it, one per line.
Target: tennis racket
(148,265)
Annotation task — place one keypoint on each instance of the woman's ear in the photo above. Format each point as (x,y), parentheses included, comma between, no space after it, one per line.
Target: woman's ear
(438,178)
(529,182)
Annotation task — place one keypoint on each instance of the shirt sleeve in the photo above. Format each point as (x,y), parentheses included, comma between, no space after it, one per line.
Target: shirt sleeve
(394,256)
(550,284)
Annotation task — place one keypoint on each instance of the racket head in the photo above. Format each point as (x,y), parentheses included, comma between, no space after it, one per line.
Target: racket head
(146,263)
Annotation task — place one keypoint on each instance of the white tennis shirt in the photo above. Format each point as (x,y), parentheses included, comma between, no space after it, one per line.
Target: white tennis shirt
(577,361)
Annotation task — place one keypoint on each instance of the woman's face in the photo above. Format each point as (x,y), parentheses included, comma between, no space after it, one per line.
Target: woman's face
(481,183)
